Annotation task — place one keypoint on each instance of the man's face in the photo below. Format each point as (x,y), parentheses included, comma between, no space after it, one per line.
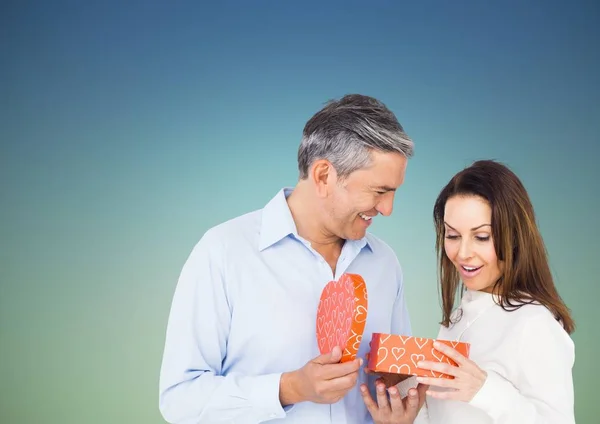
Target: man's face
(354,201)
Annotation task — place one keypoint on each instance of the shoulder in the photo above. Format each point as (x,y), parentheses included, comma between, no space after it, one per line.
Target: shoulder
(531,313)
(538,329)
(233,228)
(237,231)
(381,248)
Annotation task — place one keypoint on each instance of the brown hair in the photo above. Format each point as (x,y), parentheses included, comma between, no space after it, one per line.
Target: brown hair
(526,276)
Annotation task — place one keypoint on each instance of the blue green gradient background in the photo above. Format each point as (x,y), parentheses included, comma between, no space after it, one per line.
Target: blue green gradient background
(129,128)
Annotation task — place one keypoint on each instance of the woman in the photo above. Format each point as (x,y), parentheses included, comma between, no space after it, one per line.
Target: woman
(491,255)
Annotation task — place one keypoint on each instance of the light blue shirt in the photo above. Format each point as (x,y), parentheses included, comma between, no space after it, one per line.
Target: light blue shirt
(244,312)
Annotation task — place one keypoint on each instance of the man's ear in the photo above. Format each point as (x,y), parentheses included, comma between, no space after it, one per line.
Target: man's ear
(323,176)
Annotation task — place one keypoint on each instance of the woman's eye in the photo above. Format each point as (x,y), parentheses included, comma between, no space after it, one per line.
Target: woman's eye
(482,238)
(451,237)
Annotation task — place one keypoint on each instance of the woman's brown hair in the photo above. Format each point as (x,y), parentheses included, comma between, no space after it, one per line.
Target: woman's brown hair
(526,275)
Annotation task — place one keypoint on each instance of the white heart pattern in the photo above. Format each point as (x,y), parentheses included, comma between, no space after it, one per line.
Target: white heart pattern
(398,352)
(401,354)
(416,357)
(337,313)
(382,354)
(420,342)
(399,369)
(435,355)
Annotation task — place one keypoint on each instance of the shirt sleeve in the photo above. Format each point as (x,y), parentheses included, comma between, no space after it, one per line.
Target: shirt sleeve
(192,387)
(543,393)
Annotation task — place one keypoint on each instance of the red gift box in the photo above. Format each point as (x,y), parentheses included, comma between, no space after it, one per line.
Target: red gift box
(400,354)
(342,315)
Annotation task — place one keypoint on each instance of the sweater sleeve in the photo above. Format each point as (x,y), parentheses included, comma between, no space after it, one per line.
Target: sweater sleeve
(542,393)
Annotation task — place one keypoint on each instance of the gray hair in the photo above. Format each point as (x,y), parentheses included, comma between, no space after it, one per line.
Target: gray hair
(346,131)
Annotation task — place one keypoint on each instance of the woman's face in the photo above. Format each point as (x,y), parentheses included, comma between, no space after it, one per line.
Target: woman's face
(468,242)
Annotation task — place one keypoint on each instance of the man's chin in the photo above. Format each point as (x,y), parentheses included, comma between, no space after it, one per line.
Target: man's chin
(356,235)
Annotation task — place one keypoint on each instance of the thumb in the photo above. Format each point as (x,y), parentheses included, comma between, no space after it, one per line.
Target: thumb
(332,357)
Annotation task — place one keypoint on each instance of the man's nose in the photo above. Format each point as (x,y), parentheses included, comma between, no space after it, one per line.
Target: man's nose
(386,205)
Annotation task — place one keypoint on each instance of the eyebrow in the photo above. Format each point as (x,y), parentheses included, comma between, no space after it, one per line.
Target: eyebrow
(384,188)
(472,229)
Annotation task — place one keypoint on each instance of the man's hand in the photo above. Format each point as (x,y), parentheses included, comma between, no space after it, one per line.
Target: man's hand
(394,410)
(322,380)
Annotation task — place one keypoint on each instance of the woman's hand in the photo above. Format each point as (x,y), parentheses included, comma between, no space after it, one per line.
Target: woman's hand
(468,377)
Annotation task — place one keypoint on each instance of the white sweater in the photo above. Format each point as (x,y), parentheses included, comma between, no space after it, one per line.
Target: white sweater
(528,357)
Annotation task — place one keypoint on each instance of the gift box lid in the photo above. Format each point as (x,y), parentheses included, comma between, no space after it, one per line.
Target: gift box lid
(342,315)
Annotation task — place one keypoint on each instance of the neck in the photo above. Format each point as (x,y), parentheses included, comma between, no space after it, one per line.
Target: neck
(305,208)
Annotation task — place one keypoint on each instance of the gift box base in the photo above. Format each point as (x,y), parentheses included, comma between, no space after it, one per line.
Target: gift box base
(397,354)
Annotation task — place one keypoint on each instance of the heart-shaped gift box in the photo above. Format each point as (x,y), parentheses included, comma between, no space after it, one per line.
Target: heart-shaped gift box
(342,315)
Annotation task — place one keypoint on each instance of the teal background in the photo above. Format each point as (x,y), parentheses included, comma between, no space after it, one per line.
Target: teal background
(127,129)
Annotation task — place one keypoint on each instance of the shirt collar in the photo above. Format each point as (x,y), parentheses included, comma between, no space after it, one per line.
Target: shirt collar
(278,223)
(476,301)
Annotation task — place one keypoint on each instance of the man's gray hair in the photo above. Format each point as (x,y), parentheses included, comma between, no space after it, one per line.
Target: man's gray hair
(345,131)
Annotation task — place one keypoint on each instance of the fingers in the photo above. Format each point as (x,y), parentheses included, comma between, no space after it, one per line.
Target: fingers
(412,403)
(330,367)
(448,395)
(330,379)
(438,382)
(328,391)
(333,371)
(332,357)
(440,367)
(396,401)
(396,410)
(382,397)
(339,377)
(343,383)
(450,352)
(326,380)
(368,400)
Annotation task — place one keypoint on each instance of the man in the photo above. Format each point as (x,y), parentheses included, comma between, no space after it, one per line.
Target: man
(241,344)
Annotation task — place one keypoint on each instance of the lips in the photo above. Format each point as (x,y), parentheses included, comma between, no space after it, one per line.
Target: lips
(471,268)
(469,271)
